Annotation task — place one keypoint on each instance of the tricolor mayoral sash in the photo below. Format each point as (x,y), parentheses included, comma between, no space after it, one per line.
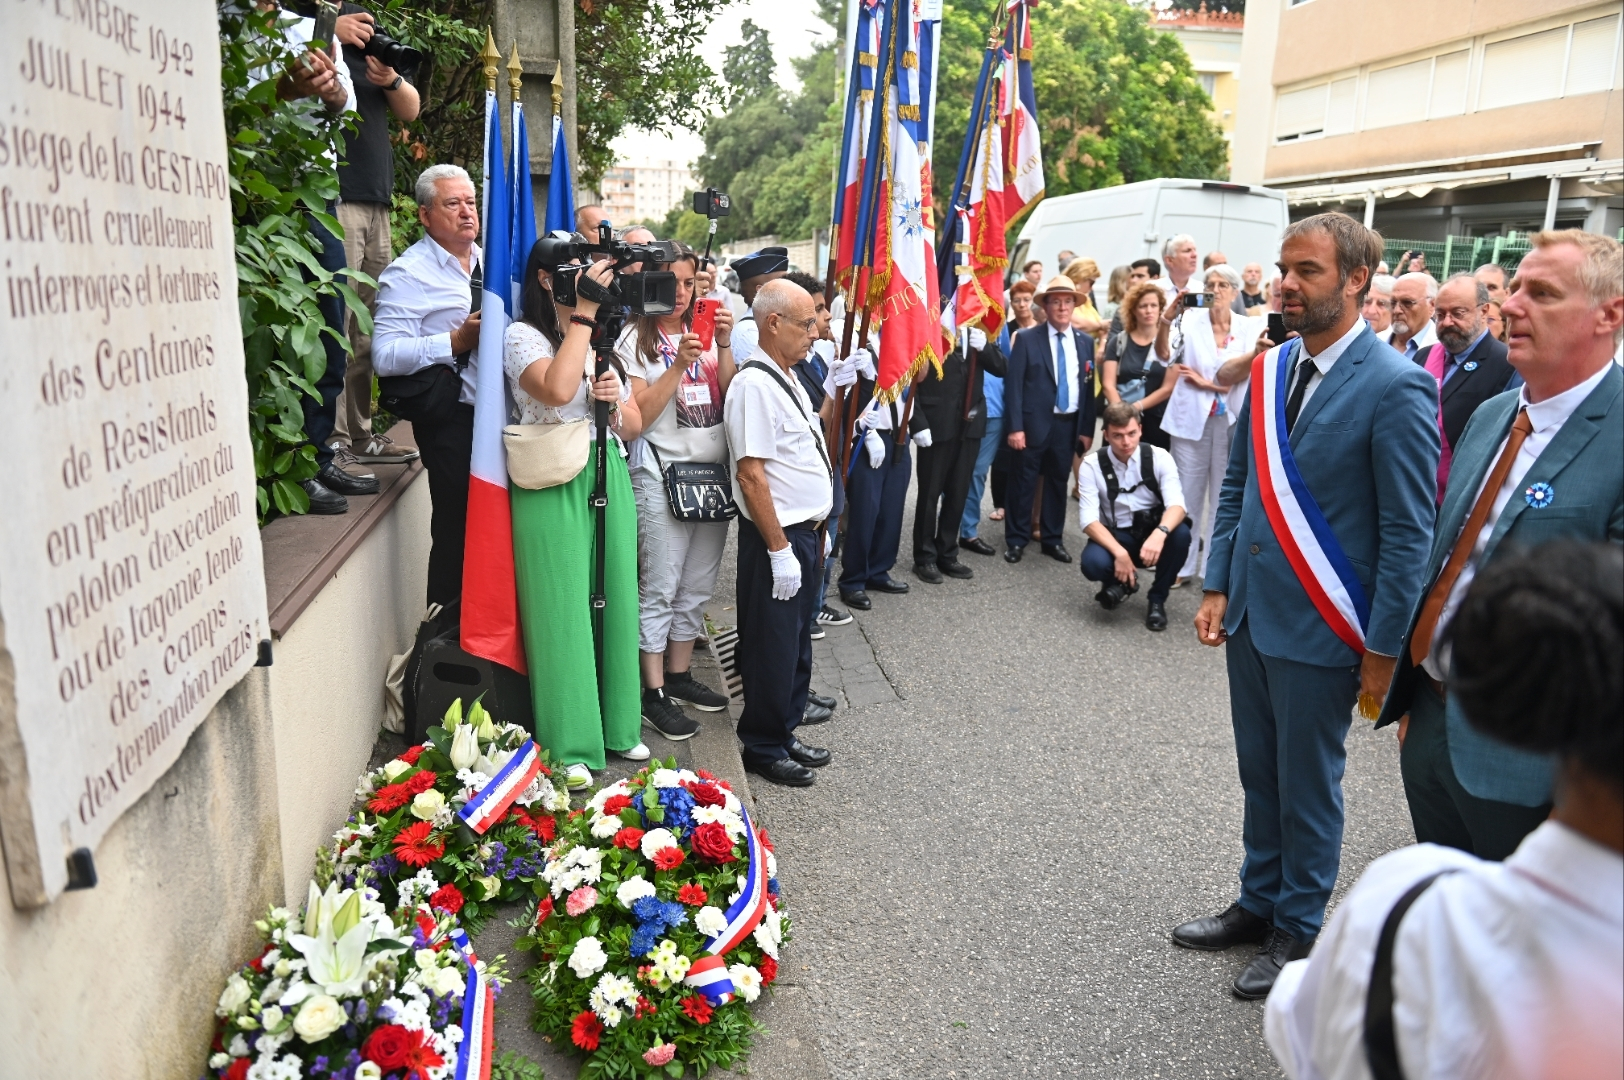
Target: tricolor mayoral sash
(708,975)
(1299,525)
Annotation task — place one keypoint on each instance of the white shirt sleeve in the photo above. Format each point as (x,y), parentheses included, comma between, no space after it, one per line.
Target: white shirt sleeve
(1167,477)
(751,416)
(744,339)
(397,347)
(1088,491)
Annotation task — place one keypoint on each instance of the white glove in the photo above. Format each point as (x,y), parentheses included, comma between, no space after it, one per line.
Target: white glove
(828,542)
(875,445)
(921,437)
(786,573)
(841,373)
(978,338)
(865,363)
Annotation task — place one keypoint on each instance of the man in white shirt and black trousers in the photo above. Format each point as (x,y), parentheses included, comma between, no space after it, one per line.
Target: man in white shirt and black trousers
(782,481)
(1131,519)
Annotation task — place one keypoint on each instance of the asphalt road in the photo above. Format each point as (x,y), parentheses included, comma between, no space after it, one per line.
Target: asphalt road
(1027,793)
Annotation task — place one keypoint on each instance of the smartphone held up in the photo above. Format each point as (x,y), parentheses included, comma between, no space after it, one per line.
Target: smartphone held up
(705,310)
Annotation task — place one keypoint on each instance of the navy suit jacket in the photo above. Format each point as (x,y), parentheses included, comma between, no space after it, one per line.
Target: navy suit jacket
(1366,444)
(1467,390)
(1030,390)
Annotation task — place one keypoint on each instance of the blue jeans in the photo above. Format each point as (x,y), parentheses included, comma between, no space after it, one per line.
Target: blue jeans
(1100,565)
(990,442)
(320,417)
(875,500)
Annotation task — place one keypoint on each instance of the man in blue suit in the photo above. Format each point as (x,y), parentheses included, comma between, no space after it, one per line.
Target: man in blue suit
(1355,429)
(1048,407)
(1533,465)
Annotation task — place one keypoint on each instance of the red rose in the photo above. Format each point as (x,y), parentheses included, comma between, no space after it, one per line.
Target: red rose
(411,755)
(692,895)
(668,858)
(614,804)
(712,842)
(544,910)
(697,1008)
(706,794)
(237,1070)
(585,1031)
(447,898)
(388,1046)
(769,970)
(629,838)
(414,845)
(420,782)
(389,797)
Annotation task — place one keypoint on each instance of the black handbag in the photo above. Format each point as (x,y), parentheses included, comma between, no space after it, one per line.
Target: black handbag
(697,490)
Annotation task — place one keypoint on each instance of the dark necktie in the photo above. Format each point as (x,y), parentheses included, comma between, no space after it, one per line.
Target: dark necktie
(1294,404)
(476,292)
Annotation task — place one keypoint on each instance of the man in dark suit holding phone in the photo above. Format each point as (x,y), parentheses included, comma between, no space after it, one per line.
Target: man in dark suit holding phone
(1048,406)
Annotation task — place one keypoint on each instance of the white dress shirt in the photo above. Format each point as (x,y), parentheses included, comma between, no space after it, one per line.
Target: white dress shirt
(1426,339)
(1547,419)
(1093,498)
(744,338)
(1322,363)
(422,297)
(1501,971)
(762,422)
(1063,350)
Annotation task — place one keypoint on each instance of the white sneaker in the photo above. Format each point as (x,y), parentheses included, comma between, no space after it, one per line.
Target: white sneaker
(640,752)
(577,776)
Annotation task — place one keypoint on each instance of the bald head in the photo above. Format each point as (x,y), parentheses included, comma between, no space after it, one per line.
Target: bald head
(785,319)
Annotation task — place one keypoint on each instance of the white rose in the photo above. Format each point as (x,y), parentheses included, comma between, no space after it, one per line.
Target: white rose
(426,804)
(489,886)
(368,1070)
(664,778)
(318,1018)
(746,981)
(632,890)
(236,993)
(272,1017)
(427,959)
(587,958)
(710,921)
(396,769)
(219,1061)
(443,981)
(655,839)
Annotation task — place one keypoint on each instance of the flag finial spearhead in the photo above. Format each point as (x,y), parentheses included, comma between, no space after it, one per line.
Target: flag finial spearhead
(493,60)
(558,89)
(515,70)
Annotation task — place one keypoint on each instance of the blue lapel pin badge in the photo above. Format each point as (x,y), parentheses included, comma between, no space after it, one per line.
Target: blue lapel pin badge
(1539,495)
(1470,365)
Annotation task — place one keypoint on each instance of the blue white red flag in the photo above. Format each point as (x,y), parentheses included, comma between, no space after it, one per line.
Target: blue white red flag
(1299,525)
(856,179)
(1023,156)
(490,599)
(492,801)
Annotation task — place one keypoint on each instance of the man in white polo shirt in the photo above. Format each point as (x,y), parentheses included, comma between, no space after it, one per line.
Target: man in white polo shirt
(782,483)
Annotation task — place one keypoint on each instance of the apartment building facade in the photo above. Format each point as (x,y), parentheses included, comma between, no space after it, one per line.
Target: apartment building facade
(644,190)
(1453,118)
(1212,39)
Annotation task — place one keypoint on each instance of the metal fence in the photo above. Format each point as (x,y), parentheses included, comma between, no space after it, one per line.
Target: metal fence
(1459,254)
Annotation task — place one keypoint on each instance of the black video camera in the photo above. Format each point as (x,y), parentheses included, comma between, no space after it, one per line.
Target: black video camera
(712,203)
(647,292)
(389,52)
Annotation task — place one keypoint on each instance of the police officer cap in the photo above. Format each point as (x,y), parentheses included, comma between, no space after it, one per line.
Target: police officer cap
(769,260)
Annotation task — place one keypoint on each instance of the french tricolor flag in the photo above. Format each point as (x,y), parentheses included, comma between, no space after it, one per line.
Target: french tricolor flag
(490,597)
(1023,156)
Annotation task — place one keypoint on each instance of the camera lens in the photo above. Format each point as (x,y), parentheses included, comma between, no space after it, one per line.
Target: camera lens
(403,58)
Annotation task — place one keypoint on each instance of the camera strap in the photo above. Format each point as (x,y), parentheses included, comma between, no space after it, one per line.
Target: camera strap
(476,293)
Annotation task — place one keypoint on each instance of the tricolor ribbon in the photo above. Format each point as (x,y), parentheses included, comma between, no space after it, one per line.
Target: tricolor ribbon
(1299,525)
(708,975)
(492,801)
(478,1017)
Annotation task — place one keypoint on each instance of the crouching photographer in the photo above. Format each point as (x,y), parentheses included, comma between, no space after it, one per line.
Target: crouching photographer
(1132,510)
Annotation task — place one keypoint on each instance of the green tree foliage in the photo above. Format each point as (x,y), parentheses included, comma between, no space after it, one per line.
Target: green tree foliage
(747,67)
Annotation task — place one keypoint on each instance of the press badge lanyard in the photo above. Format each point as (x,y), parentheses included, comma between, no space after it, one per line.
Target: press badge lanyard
(668,353)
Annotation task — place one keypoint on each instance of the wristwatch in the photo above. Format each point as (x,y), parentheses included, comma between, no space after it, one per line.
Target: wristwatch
(1164,530)
(392,87)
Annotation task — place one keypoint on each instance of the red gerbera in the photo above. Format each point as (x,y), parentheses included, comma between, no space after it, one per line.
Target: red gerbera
(614,804)
(585,1031)
(706,794)
(237,1070)
(692,895)
(389,797)
(420,1059)
(415,846)
(629,838)
(544,909)
(769,970)
(447,898)
(420,782)
(545,827)
(697,1008)
(412,754)
(668,858)
(645,1007)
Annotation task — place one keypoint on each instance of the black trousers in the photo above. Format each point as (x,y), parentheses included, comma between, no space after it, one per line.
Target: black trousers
(1052,461)
(321,416)
(775,644)
(944,477)
(447,449)
(1099,565)
(875,500)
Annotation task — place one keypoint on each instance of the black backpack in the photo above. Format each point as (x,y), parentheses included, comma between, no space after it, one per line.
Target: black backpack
(1146,520)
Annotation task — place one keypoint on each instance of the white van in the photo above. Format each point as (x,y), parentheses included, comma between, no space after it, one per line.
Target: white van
(1114,226)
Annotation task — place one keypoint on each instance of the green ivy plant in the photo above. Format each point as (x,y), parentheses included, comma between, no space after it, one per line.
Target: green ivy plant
(280,179)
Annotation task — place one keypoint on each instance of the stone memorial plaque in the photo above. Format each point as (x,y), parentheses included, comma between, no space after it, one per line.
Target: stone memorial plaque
(132,590)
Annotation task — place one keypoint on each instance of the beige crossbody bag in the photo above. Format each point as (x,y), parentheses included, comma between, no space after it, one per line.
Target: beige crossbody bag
(547,455)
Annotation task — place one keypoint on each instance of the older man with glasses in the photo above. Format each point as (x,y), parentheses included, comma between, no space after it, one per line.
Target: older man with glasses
(1411,332)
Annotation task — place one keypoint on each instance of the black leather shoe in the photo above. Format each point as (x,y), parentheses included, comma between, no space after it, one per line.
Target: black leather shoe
(823,701)
(858,599)
(954,568)
(786,771)
(324,500)
(1214,933)
(1257,978)
(1013,554)
(977,545)
(336,479)
(815,713)
(1057,552)
(928,573)
(813,757)
(1155,616)
(888,584)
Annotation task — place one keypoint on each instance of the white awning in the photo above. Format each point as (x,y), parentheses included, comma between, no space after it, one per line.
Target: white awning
(1605,176)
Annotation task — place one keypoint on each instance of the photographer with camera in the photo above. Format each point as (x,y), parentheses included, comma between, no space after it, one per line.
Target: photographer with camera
(1133,516)
(548,355)
(366,183)
(679,366)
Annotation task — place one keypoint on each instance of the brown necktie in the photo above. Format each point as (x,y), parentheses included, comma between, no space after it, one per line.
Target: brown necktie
(1421,640)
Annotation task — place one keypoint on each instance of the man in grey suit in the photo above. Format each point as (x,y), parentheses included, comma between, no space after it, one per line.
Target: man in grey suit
(1533,465)
(1339,510)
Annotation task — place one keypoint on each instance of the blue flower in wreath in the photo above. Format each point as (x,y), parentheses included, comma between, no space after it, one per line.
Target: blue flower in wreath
(1539,495)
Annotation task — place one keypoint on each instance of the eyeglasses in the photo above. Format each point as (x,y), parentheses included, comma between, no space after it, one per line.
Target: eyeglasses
(1456,314)
(1408,305)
